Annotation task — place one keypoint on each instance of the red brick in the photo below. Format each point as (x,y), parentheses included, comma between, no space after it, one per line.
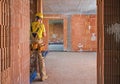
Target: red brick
(20,24)
(92,16)
(93,22)
(0,13)
(0,65)
(80,24)
(14,36)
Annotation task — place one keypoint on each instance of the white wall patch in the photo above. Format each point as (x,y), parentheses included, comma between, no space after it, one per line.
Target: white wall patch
(114,30)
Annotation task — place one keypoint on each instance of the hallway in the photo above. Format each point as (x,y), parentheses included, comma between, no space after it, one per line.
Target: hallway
(70,68)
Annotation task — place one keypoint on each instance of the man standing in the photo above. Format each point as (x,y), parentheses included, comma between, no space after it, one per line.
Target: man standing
(37,34)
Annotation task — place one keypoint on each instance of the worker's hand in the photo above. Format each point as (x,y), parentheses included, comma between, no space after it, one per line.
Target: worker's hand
(44,34)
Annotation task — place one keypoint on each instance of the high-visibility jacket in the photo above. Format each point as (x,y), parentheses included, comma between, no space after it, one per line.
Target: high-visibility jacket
(38,29)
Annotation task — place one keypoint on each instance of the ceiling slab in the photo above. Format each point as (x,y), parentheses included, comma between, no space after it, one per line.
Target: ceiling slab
(69,6)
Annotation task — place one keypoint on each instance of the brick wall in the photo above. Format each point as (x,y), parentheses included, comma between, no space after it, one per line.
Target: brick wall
(84,32)
(0,65)
(5,68)
(19,27)
(111,41)
(33,9)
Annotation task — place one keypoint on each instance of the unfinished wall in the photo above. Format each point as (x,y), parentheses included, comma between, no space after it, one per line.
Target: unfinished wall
(5,62)
(84,32)
(19,45)
(33,9)
(14,41)
(111,41)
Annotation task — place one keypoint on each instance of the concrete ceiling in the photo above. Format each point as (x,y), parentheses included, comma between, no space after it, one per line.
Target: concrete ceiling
(69,6)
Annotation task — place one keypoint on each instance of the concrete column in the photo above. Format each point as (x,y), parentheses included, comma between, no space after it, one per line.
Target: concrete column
(40,6)
(69,47)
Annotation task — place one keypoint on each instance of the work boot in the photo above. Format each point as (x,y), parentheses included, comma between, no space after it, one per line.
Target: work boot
(37,77)
(43,78)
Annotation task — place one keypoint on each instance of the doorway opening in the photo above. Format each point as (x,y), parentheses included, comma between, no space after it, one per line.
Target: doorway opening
(83,33)
(55,39)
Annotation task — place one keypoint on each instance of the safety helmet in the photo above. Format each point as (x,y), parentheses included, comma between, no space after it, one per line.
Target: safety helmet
(40,15)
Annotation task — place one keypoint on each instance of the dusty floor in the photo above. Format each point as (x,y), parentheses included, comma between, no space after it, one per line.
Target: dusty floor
(70,68)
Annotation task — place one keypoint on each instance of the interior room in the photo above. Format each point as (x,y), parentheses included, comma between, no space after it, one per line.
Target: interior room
(86,31)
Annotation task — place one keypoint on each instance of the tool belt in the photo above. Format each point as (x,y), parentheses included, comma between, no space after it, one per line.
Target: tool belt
(37,45)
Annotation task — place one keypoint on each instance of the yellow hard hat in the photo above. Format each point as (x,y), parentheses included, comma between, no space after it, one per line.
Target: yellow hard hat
(40,15)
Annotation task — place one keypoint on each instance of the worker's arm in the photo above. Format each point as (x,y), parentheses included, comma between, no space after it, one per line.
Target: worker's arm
(44,31)
(44,34)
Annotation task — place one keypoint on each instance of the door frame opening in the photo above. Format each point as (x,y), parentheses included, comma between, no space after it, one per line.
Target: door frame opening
(55,39)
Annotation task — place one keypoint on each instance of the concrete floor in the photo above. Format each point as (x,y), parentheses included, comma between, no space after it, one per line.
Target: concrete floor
(70,68)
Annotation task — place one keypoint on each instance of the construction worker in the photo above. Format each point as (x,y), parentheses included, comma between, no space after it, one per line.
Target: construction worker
(37,34)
